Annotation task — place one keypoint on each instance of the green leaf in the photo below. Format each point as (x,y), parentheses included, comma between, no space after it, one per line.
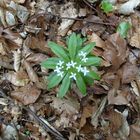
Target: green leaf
(93,75)
(72,44)
(88,48)
(106,6)
(54,80)
(81,84)
(64,87)
(58,50)
(88,80)
(123,28)
(95,61)
(50,63)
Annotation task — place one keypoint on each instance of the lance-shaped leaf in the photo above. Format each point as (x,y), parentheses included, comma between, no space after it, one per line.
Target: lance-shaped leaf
(93,75)
(72,45)
(81,84)
(50,63)
(58,50)
(95,61)
(88,48)
(64,87)
(54,80)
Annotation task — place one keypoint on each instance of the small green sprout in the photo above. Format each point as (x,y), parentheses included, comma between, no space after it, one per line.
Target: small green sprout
(106,6)
(73,64)
(123,28)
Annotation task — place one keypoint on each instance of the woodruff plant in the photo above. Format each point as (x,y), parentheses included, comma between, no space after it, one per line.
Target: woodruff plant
(73,64)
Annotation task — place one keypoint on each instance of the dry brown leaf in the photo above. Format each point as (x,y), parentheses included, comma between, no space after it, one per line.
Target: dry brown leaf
(115,51)
(99,42)
(115,120)
(68,10)
(27,94)
(70,105)
(134,131)
(31,73)
(129,73)
(119,97)
(42,46)
(86,113)
(135,39)
(36,58)
(19,78)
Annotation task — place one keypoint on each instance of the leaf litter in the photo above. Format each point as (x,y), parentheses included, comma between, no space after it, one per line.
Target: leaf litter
(111,108)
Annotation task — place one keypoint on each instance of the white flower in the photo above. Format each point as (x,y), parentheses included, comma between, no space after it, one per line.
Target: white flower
(73,75)
(73,63)
(79,68)
(57,69)
(82,54)
(85,71)
(68,65)
(60,73)
(84,59)
(60,63)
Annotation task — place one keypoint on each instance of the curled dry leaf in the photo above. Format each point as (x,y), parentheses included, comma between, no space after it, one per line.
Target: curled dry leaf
(17,59)
(115,51)
(31,73)
(19,78)
(27,94)
(67,11)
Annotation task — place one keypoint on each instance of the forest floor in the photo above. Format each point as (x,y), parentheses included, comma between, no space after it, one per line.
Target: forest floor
(111,108)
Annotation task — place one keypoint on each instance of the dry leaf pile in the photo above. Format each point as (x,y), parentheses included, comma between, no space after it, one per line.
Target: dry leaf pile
(111,109)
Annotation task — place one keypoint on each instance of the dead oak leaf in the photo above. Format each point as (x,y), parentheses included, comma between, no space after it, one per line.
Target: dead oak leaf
(27,94)
(115,51)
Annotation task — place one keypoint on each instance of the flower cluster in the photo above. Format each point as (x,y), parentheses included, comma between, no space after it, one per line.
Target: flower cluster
(73,62)
(83,55)
(61,67)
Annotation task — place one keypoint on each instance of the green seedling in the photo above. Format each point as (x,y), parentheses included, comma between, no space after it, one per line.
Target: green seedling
(72,64)
(123,29)
(106,6)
